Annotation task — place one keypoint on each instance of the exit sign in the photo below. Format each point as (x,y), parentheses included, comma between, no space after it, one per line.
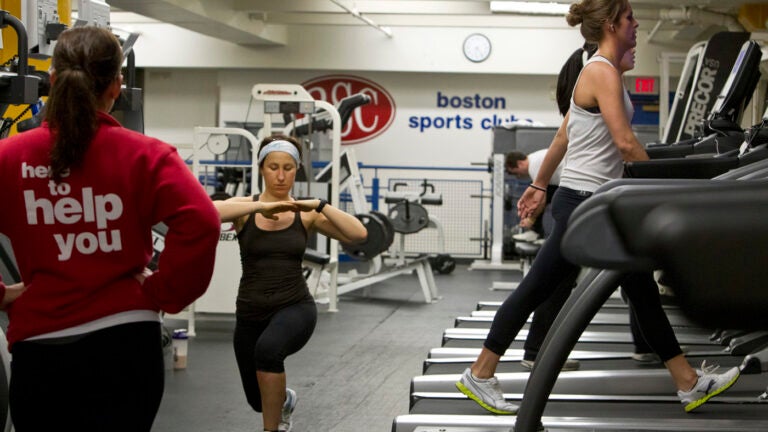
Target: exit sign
(645,85)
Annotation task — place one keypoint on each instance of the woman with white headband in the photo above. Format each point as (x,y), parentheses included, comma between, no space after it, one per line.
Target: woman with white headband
(275,313)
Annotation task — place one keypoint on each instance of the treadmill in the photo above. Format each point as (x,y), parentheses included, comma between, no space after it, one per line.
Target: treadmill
(463,357)
(723,137)
(736,410)
(720,131)
(702,78)
(637,222)
(422,416)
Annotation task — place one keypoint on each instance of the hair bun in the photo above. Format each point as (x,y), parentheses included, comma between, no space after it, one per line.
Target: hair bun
(574,16)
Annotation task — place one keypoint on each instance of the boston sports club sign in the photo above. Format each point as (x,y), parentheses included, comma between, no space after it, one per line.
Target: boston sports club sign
(367,121)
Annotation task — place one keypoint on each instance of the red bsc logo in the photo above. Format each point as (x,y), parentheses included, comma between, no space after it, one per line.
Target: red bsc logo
(367,121)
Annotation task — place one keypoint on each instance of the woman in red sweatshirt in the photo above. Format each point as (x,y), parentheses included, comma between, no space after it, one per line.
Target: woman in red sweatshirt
(80,195)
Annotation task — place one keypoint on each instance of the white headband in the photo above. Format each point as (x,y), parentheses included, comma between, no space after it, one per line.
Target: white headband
(281,146)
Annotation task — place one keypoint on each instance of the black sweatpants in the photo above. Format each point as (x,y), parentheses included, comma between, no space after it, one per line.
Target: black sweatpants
(108,380)
(264,345)
(551,273)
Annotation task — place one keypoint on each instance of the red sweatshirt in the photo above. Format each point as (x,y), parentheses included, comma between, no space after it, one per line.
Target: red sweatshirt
(80,242)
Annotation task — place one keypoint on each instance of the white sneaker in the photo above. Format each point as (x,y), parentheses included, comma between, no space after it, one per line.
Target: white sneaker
(288,406)
(528,236)
(486,392)
(570,364)
(708,386)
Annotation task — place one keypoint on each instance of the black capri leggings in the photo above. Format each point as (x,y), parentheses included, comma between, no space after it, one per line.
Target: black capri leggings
(551,272)
(264,345)
(108,380)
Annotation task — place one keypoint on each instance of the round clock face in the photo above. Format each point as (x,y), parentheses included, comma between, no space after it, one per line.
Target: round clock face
(477,47)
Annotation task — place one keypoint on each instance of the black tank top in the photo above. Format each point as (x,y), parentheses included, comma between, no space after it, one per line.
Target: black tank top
(272,274)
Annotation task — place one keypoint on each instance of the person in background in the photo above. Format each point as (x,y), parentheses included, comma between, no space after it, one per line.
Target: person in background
(80,196)
(526,167)
(569,73)
(275,313)
(594,138)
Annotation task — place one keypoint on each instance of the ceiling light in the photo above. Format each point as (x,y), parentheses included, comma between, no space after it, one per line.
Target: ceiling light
(530,8)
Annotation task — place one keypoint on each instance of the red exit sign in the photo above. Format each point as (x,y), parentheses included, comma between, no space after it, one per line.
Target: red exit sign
(645,85)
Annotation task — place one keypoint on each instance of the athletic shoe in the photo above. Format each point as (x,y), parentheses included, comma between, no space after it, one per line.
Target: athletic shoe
(528,236)
(570,365)
(708,386)
(486,392)
(540,241)
(646,358)
(288,406)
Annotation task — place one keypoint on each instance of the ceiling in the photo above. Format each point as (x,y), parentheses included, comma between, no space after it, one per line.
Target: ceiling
(263,22)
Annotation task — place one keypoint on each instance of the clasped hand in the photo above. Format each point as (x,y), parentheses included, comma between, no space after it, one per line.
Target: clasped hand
(270,209)
(531,204)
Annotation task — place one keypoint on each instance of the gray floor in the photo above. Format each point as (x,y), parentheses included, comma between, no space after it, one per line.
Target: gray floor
(353,375)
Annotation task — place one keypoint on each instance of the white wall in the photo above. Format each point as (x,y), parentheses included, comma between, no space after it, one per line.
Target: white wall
(192,77)
(195,80)
(524,45)
(415,95)
(176,100)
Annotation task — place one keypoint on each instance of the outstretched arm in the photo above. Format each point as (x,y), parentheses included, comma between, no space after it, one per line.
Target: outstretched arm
(334,223)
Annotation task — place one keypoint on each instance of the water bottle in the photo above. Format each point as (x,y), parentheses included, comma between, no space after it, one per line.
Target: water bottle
(180,339)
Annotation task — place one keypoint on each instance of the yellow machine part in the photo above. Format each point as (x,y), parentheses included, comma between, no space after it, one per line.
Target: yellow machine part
(10,42)
(753,16)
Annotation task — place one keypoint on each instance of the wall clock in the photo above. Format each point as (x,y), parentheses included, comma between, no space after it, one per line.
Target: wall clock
(477,47)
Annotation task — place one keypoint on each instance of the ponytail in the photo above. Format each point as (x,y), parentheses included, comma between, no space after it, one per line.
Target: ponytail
(71,113)
(86,61)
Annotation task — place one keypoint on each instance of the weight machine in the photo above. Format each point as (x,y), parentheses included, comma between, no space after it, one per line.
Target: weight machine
(525,139)
(324,280)
(381,233)
(410,216)
(498,192)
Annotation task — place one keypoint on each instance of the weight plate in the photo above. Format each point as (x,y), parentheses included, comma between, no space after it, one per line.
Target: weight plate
(372,245)
(408,217)
(388,229)
(218,144)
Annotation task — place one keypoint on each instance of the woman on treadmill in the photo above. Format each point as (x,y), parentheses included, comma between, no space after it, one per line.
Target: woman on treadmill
(594,139)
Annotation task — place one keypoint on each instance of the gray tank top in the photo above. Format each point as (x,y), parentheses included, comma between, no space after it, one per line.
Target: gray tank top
(592,157)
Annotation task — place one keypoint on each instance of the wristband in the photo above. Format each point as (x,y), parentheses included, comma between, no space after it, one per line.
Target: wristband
(321,206)
(539,188)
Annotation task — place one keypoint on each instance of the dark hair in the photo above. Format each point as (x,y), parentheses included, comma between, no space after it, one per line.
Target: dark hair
(513,157)
(278,137)
(86,61)
(569,73)
(592,14)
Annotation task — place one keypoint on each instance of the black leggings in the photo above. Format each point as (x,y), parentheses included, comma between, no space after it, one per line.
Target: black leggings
(108,380)
(264,345)
(551,273)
